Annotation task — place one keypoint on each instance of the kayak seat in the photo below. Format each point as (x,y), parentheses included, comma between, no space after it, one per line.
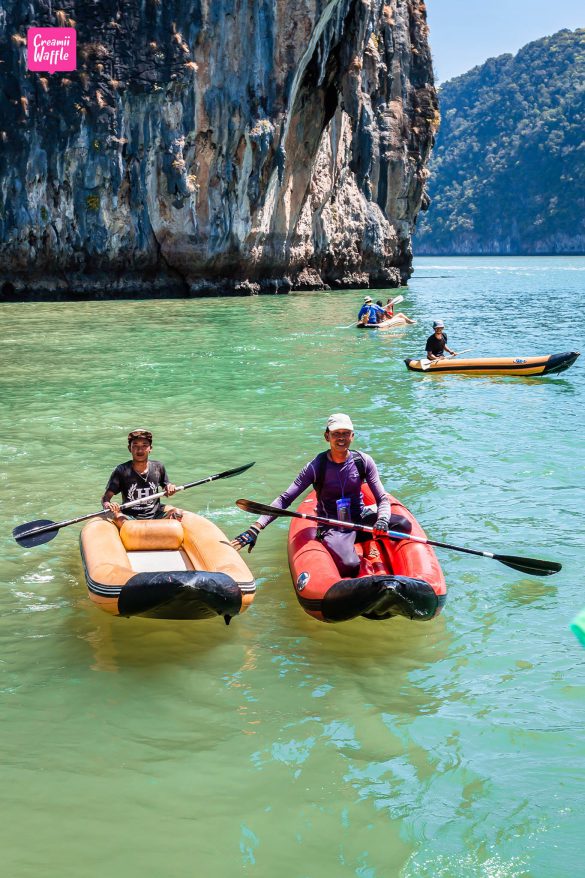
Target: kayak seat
(158,534)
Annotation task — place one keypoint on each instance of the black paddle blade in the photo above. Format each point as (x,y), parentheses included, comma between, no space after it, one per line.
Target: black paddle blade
(25,536)
(532,566)
(263,509)
(234,472)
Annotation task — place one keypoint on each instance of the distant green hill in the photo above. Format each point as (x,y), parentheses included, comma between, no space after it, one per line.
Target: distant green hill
(508,167)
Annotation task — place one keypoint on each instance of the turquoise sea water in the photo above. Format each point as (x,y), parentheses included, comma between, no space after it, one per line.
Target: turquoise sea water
(279,745)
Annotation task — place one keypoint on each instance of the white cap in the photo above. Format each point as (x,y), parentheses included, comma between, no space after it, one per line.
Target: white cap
(367,298)
(438,324)
(339,422)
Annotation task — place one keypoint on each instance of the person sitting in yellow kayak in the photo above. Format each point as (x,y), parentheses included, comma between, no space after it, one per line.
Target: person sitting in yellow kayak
(437,342)
(369,312)
(337,477)
(140,478)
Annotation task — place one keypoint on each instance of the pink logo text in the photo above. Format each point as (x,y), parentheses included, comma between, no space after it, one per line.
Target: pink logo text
(51,48)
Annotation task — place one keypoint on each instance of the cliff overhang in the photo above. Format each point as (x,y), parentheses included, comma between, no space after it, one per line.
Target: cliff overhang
(214,148)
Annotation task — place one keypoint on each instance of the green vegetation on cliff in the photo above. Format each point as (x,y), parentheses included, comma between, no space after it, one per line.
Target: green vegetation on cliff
(508,168)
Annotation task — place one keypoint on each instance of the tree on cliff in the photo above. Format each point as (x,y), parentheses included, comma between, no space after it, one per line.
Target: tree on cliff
(508,169)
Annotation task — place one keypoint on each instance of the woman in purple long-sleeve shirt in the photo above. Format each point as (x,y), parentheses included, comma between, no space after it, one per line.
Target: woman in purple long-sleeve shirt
(337,476)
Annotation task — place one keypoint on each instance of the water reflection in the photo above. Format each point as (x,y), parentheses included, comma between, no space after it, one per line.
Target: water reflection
(281,744)
(528,591)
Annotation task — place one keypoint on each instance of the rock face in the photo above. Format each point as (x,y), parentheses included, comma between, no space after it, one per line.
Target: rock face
(207,146)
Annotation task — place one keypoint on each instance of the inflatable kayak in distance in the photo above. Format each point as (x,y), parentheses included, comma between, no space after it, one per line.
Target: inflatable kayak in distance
(401,578)
(550,364)
(385,324)
(165,569)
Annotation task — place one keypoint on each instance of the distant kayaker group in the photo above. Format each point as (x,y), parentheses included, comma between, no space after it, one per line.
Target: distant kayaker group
(376,314)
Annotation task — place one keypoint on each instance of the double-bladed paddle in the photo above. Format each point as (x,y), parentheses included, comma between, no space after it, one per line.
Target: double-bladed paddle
(35,533)
(532,566)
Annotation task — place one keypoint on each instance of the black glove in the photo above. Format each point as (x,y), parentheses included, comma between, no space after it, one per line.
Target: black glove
(247,538)
(381,525)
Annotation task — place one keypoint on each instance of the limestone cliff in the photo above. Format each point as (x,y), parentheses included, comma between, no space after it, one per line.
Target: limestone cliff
(214,146)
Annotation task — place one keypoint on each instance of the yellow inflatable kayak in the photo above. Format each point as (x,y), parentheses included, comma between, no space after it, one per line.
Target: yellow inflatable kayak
(165,569)
(385,324)
(546,365)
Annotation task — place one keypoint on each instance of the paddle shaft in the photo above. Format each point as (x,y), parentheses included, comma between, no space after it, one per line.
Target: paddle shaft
(128,505)
(391,534)
(131,503)
(525,565)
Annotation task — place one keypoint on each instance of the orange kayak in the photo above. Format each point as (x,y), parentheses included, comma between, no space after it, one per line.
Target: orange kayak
(397,578)
(550,364)
(165,569)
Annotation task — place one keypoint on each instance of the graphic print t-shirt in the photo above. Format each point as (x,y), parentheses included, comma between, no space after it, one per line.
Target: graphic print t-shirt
(134,487)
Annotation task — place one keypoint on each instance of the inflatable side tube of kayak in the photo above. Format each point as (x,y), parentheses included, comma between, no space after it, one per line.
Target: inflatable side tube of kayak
(189,594)
(559,362)
(381,597)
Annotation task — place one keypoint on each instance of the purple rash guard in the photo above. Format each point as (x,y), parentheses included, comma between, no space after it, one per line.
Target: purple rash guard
(341,480)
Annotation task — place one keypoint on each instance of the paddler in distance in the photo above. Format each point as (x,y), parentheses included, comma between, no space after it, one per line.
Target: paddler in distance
(140,478)
(437,342)
(337,476)
(369,313)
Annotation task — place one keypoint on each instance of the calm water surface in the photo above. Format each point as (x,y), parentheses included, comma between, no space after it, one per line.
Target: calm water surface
(279,745)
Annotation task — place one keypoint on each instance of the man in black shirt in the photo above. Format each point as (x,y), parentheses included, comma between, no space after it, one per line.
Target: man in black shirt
(437,342)
(140,478)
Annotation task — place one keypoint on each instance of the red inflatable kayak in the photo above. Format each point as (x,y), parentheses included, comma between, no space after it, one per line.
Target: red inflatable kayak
(402,578)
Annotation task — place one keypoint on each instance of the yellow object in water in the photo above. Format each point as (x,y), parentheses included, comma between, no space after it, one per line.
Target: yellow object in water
(525,366)
(165,569)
